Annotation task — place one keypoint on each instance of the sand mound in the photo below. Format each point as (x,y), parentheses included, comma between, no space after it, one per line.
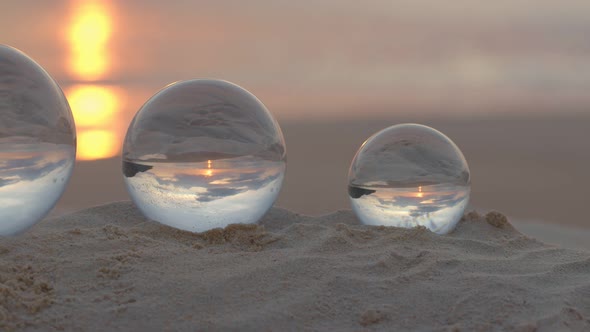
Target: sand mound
(108,268)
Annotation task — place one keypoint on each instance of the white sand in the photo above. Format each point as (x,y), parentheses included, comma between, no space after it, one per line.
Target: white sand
(107,268)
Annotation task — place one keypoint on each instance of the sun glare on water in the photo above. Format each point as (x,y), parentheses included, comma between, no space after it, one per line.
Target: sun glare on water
(94,106)
(97,144)
(209,171)
(420,194)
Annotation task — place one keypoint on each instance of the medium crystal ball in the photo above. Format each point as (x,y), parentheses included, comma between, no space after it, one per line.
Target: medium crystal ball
(409,175)
(203,154)
(37,142)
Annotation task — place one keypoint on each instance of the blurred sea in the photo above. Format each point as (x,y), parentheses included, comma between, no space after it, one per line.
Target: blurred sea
(527,168)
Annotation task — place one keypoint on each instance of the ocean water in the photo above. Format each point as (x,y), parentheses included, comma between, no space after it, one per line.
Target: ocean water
(197,196)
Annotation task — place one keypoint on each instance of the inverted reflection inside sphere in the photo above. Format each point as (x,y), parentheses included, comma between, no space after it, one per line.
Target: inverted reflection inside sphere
(409,175)
(203,154)
(37,142)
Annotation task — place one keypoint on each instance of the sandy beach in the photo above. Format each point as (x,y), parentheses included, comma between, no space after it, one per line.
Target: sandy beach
(108,268)
(506,82)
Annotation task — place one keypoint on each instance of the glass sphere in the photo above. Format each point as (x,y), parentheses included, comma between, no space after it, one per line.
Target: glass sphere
(409,175)
(203,154)
(37,142)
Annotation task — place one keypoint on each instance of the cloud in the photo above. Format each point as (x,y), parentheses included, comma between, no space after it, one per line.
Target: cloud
(29,169)
(220,184)
(216,193)
(415,206)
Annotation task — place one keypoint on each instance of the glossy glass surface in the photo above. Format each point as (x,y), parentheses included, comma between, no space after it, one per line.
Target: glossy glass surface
(37,142)
(409,175)
(202,154)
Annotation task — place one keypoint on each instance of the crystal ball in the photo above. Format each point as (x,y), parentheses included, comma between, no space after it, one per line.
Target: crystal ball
(203,154)
(409,175)
(37,142)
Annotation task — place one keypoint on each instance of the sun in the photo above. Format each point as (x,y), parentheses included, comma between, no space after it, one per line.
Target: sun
(88,36)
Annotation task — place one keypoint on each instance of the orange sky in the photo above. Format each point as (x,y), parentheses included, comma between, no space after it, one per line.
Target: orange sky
(318,58)
(309,59)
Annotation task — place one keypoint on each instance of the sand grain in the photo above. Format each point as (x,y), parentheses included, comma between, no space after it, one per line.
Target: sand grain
(108,268)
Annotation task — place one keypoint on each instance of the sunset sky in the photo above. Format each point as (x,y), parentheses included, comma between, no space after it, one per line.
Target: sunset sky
(312,59)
